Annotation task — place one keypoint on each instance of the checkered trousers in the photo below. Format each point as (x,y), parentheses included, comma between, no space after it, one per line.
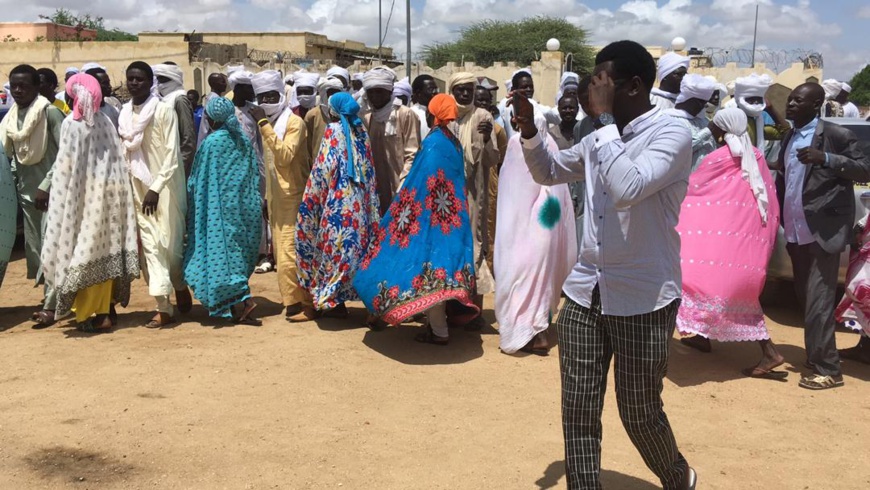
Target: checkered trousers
(587,342)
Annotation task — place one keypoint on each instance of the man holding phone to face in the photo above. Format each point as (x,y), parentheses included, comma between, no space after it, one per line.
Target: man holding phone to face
(624,292)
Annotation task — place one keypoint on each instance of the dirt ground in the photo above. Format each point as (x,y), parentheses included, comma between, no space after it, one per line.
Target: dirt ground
(334,405)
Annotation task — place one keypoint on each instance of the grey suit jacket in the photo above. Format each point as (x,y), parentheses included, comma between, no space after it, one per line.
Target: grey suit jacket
(828,191)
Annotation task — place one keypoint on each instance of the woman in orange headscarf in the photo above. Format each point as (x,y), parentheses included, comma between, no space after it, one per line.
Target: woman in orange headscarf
(422,255)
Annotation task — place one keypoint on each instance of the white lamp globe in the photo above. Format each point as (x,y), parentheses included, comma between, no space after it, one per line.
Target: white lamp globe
(553,45)
(678,44)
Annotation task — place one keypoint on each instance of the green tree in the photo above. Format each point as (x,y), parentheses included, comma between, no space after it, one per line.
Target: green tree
(861,87)
(65,17)
(491,41)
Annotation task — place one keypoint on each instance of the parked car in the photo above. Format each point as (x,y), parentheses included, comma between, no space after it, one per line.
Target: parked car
(779,267)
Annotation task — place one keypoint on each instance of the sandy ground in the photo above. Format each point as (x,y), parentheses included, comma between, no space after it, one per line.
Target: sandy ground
(334,405)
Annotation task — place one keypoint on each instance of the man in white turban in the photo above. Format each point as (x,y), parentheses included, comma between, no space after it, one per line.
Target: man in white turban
(474,129)
(695,92)
(849,109)
(832,106)
(341,74)
(749,95)
(287,162)
(671,69)
(317,119)
(394,133)
(402,91)
(170,85)
(305,88)
(717,99)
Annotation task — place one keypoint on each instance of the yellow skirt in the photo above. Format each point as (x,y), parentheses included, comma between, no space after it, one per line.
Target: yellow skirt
(94,300)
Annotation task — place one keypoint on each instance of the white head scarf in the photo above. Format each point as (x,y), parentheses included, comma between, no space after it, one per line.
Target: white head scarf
(71,71)
(270,81)
(569,78)
(402,87)
(379,77)
(696,86)
(303,80)
(340,72)
(753,85)
(239,76)
(846,87)
(508,85)
(170,90)
(670,62)
(90,66)
(323,86)
(734,123)
(832,88)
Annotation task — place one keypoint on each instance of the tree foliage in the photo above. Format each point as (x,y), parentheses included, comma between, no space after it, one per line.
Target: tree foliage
(65,17)
(860,83)
(491,41)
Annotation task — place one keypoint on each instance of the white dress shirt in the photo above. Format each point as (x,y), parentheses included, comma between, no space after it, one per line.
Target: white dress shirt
(635,184)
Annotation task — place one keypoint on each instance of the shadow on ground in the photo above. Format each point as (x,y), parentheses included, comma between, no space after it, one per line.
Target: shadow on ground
(398,343)
(554,477)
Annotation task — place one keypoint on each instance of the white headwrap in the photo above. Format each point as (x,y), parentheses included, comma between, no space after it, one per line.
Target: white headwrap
(234,68)
(323,86)
(846,87)
(696,86)
(305,79)
(338,71)
(358,77)
(71,71)
(379,77)
(508,85)
(670,62)
(750,86)
(270,81)
(402,87)
(832,88)
(239,77)
(734,123)
(569,78)
(289,78)
(172,89)
(90,66)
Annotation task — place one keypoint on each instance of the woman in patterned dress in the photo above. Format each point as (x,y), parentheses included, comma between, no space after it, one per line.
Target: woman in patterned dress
(339,211)
(223,217)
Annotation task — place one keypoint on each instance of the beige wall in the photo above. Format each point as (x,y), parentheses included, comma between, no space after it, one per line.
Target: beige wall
(30,31)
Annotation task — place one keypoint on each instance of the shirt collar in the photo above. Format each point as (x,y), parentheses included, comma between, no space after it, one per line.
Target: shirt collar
(810,127)
(641,122)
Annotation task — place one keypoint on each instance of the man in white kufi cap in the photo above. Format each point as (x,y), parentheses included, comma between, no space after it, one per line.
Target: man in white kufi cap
(671,68)
(849,109)
(287,164)
(695,92)
(394,133)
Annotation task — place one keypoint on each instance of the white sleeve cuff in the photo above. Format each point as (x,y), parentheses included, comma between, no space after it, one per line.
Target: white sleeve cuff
(605,135)
(531,143)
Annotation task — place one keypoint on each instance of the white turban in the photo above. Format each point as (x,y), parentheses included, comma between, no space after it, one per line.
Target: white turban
(71,70)
(527,71)
(846,87)
(569,78)
(402,87)
(90,66)
(670,62)
(175,76)
(289,78)
(340,72)
(268,81)
(508,85)
(305,79)
(239,77)
(379,77)
(233,68)
(734,123)
(324,85)
(753,85)
(358,77)
(696,86)
(832,88)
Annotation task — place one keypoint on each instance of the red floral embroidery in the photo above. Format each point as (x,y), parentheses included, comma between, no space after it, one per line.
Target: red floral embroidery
(404,213)
(443,203)
(377,236)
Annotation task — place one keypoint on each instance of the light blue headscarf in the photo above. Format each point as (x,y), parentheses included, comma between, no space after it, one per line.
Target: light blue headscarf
(346,108)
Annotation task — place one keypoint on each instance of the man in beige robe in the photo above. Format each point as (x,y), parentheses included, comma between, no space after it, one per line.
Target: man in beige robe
(394,133)
(287,165)
(317,118)
(474,128)
(149,134)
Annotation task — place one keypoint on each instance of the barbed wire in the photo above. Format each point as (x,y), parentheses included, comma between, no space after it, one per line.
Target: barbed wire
(776,59)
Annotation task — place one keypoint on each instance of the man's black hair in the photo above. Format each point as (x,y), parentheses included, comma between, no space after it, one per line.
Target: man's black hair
(26,70)
(569,97)
(141,65)
(417,86)
(515,80)
(49,75)
(630,59)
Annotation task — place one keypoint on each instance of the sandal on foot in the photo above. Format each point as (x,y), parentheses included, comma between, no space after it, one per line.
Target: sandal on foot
(429,337)
(183,300)
(245,318)
(761,373)
(308,314)
(91,326)
(164,321)
(264,267)
(820,382)
(43,319)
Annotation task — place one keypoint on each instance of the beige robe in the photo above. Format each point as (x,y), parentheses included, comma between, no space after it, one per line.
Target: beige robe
(288,164)
(479,157)
(315,124)
(393,154)
(162,233)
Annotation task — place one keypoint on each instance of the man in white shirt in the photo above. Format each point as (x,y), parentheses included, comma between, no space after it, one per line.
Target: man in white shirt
(671,69)
(625,290)
(849,109)
(422,91)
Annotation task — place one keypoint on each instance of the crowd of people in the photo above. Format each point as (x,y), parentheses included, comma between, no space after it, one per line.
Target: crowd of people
(649,207)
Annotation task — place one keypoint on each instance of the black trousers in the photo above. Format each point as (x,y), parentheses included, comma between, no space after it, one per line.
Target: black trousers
(588,341)
(815,279)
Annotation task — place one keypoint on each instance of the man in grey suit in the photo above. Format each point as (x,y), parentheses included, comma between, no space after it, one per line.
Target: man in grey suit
(820,161)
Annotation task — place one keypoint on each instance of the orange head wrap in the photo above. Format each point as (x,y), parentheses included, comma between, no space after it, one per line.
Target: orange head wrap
(443,107)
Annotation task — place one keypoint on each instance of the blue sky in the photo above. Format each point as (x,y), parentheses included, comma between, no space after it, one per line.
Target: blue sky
(836,29)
